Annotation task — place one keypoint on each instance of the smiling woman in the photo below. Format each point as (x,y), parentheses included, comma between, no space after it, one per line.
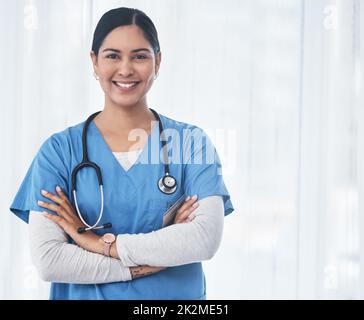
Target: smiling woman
(126,74)
(140,258)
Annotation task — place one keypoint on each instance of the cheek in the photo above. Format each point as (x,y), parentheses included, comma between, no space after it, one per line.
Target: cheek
(146,71)
(149,83)
(106,70)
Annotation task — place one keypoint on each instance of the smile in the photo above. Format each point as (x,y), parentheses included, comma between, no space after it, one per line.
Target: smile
(126,87)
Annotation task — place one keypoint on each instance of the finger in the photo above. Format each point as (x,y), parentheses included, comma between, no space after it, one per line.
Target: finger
(59,221)
(188,211)
(184,215)
(53,207)
(187,204)
(63,195)
(59,200)
(70,207)
(55,218)
(191,216)
(188,201)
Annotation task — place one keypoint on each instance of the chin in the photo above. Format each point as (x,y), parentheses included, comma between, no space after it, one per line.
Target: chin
(125,103)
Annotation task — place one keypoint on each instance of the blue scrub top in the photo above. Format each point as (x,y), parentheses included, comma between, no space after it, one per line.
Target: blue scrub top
(132,201)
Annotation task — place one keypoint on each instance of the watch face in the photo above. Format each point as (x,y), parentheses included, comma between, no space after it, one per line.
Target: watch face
(108,237)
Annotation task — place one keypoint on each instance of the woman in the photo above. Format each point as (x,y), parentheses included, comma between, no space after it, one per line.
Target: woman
(140,256)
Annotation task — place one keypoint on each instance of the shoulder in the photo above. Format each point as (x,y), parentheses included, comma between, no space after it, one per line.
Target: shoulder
(61,141)
(182,127)
(189,134)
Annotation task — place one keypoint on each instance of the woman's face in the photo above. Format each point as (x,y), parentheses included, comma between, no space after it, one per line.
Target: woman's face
(121,63)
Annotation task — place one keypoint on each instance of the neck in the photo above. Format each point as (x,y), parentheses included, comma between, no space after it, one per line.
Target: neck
(121,120)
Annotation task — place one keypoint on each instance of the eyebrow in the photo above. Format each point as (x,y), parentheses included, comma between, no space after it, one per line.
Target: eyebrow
(135,50)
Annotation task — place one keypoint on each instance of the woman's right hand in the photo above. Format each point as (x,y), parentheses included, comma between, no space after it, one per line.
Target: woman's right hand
(185,213)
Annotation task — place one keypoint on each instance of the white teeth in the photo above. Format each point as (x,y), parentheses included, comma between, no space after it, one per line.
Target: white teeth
(124,85)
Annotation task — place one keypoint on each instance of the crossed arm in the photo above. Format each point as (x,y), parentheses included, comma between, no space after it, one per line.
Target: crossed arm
(135,255)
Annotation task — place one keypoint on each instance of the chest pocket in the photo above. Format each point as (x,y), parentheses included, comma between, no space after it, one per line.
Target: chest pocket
(156,208)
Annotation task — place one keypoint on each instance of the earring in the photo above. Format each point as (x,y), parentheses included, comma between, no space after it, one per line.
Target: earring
(156,76)
(96,76)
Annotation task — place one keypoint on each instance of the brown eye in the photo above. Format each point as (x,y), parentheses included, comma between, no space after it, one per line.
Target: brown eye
(140,57)
(112,56)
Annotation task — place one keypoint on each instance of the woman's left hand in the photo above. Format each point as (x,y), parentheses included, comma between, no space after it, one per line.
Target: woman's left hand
(67,218)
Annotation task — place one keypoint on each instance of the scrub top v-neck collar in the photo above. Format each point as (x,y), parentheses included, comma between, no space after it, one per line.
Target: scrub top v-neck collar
(146,147)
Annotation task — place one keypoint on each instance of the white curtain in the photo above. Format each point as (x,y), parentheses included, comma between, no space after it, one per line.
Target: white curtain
(276,83)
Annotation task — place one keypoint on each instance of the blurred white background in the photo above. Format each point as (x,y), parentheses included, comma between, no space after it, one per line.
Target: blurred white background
(276,83)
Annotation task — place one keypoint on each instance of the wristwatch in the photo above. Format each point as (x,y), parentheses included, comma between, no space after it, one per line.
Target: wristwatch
(108,239)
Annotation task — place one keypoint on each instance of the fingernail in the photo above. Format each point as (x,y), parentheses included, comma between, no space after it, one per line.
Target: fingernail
(40,202)
(195,205)
(191,216)
(188,198)
(58,188)
(46,214)
(43,192)
(194,197)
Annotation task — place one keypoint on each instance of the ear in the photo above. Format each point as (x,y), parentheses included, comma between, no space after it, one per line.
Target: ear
(94,60)
(158,59)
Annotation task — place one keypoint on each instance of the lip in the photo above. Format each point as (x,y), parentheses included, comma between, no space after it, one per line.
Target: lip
(125,90)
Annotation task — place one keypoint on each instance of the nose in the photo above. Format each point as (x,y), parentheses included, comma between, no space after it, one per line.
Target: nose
(125,68)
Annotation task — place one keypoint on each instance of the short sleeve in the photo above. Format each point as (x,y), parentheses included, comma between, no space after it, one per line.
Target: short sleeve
(202,168)
(47,170)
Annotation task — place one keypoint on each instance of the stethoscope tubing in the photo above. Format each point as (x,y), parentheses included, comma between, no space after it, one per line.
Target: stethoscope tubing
(162,186)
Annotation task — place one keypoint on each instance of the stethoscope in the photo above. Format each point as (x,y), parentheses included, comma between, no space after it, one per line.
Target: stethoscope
(167,184)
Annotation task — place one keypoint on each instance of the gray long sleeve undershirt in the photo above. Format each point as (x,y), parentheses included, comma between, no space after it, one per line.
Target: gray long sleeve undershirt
(59,261)
(177,244)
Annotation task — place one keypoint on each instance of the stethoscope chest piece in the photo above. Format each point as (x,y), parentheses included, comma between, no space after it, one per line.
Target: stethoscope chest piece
(167,184)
